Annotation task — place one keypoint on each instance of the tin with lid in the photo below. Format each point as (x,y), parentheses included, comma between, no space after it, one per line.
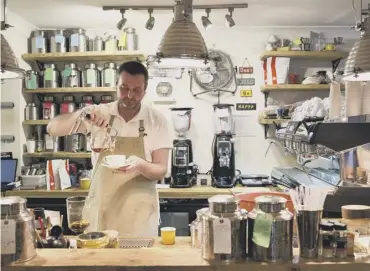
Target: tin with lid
(106,99)
(71,76)
(68,105)
(50,76)
(32,80)
(270,230)
(111,43)
(78,41)
(58,42)
(109,75)
(39,42)
(49,109)
(91,76)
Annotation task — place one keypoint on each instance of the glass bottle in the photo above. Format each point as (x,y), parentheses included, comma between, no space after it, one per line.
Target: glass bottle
(326,240)
(341,240)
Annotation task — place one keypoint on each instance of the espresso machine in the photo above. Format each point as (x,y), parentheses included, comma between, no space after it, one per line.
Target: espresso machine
(183,170)
(223,171)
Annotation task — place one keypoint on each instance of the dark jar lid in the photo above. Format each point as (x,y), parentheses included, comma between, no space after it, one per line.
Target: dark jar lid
(325,226)
(340,226)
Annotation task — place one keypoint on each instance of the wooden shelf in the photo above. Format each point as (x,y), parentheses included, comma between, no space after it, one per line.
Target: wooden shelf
(271,121)
(71,90)
(35,122)
(77,155)
(295,87)
(85,56)
(323,55)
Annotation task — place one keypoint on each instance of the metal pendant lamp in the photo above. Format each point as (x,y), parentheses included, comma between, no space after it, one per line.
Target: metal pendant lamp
(357,67)
(182,45)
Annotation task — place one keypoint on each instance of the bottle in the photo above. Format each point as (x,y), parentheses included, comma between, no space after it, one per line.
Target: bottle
(326,240)
(341,240)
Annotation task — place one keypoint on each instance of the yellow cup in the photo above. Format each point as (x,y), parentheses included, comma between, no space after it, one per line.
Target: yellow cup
(168,235)
(85,183)
(330,47)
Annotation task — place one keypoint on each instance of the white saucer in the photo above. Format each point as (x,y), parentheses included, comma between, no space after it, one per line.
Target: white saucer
(114,167)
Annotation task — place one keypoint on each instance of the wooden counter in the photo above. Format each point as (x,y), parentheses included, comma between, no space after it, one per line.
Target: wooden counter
(174,193)
(179,257)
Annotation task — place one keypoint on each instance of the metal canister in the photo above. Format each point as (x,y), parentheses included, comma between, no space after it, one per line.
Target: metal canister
(196,228)
(130,42)
(18,231)
(91,76)
(72,143)
(96,44)
(31,112)
(106,99)
(49,109)
(58,42)
(109,75)
(78,41)
(51,143)
(32,80)
(87,100)
(111,43)
(271,210)
(68,105)
(39,42)
(224,230)
(50,76)
(71,76)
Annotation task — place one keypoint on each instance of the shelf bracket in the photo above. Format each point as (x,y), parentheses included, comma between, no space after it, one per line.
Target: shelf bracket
(266,93)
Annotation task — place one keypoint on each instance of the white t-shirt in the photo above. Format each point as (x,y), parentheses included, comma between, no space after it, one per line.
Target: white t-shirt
(155,124)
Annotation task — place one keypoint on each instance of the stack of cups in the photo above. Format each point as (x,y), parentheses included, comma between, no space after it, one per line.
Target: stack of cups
(353,98)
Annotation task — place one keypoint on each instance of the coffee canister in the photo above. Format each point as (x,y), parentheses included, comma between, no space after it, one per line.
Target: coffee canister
(58,42)
(270,215)
(31,112)
(17,231)
(32,80)
(128,40)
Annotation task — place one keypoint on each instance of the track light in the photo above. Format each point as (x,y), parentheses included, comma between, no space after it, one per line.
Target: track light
(205,20)
(229,18)
(150,22)
(123,21)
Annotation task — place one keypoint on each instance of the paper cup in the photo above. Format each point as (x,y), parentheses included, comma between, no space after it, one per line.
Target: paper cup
(31,146)
(168,235)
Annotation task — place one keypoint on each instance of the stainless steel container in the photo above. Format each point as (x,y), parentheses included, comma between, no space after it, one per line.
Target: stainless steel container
(58,42)
(224,230)
(32,80)
(31,112)
(50,76)
(196,228)
(87,100)
(17,231)
(71,76)
(68,105)
(111,43)
(96,44)
(49,109)
(51,143)
(39,42)
(109,75)
(106,99)
(78,41)
(131,40)
(270,210)
(73,143)
(91,76)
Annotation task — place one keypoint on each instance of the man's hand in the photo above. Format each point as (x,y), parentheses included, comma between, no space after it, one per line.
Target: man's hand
(97,119)
(134,163)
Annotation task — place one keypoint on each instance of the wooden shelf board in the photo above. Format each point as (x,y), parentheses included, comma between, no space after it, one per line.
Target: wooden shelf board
(71,90)
(80,155)
(35,122)
(295,87)
(324,55)
(85,56)
(271,121)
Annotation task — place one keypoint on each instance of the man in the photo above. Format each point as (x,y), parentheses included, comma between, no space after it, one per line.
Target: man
(125,200)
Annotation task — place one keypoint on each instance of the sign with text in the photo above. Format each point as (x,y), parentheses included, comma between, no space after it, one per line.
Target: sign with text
(245,70)
(246,93)
(246,106)
(245,81)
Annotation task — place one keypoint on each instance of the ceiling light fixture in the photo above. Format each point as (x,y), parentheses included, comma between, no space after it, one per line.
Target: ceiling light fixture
(205,20)
(150,22)
(229,18)
(9,63)
(357,66)
(123,21)
(182,44)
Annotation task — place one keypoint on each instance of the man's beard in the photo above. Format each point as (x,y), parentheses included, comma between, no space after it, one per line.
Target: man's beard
(129,104)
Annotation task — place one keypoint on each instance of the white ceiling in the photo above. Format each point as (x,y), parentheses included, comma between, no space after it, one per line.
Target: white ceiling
(89,14)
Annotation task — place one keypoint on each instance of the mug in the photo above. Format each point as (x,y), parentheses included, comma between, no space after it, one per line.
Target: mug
(330,47)
(85,183)
(115,160)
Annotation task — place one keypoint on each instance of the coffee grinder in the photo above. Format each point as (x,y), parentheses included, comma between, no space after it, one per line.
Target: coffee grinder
(223,172)
(183,170)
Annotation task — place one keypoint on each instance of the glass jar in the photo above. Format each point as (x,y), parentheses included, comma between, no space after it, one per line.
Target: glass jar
(224,230)
(341,241)
(326,240)
(196,228)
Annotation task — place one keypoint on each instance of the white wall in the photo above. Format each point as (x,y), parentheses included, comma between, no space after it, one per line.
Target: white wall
(11,90)
(240,42)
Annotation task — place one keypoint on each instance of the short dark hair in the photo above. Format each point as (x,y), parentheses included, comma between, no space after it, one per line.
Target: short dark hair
(134,68)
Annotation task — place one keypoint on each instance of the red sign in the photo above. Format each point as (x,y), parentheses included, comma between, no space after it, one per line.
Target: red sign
(245,70)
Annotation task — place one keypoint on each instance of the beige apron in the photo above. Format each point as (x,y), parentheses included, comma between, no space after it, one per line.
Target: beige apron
(126,202)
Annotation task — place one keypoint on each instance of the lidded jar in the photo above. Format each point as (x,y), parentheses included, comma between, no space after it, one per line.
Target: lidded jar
(224,230)
(270,230)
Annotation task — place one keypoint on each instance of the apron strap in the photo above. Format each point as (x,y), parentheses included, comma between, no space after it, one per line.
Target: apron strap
(141,128)
(111,120)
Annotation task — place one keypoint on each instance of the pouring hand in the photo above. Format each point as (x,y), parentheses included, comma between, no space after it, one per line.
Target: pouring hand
(97,119)
(134,164)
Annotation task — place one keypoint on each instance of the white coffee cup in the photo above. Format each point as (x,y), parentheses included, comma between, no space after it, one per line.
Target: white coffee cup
(115,160)
(31,145)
